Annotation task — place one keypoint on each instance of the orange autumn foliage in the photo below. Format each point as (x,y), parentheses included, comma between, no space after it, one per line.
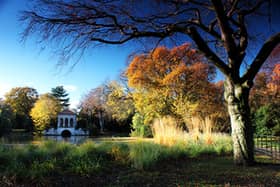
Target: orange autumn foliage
(167,67)
(274,84)
(266,88)
(176,81)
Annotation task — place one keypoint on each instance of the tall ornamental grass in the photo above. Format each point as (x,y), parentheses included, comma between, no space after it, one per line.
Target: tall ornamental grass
(166,132)
(143,154)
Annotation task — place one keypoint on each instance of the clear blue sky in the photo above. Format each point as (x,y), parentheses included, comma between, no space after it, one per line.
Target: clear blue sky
(24,65)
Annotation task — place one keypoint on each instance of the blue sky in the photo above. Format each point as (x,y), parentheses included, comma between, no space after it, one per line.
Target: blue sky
(24,64)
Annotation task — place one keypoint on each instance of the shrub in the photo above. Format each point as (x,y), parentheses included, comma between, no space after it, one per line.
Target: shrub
(139,128)
(267,120)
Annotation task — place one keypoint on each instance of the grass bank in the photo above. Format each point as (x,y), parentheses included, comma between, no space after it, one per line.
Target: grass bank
(138,163)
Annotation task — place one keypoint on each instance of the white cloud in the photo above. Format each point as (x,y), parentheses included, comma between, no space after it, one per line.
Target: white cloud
(74,103)
(70,88)
(4,88)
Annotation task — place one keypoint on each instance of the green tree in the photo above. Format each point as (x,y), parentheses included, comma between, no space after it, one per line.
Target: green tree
(119,102)
(267,120)
(139,128)
(6,118)
(21,100)
(264,100)
(61,94)
(222,30)
(44,112)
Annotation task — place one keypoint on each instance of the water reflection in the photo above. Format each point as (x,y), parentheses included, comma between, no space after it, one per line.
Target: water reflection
(20,139)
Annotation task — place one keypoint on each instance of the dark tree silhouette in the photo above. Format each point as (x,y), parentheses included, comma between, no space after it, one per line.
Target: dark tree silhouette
(61,95)
(219,28)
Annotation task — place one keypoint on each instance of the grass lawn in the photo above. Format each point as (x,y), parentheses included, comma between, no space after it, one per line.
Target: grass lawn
(202,171)
(140,163)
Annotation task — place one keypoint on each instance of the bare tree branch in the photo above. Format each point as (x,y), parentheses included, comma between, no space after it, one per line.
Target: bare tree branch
(76,25)
(202,45)
(262,55)
(254,8)
(226,30)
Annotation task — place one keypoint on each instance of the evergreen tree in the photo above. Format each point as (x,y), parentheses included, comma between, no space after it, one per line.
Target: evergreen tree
(60,93)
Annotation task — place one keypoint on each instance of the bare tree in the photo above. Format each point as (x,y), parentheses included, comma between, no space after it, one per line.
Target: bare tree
(94,104)
(219,28)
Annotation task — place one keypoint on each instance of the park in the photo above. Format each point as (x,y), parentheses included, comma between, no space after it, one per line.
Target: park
(197,102)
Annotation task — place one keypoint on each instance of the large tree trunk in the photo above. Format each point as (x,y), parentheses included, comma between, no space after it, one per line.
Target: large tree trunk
(237,97)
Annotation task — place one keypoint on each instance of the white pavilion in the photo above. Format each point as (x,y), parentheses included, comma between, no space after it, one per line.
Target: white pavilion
(66,125)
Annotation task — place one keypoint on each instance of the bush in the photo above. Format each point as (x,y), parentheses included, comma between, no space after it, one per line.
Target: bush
(267,120)
(139,128)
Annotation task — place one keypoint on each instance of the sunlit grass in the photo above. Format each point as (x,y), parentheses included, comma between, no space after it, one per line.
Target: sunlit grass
(41,163)
(144,154)
(166,132)
(52,157)
(49,159)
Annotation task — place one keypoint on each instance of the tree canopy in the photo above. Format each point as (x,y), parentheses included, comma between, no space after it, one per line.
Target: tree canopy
(119,102)
(21,100)
(44,112)
(174,82)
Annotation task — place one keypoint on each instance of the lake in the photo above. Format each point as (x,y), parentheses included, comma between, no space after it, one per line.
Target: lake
(19,139)
(24,138)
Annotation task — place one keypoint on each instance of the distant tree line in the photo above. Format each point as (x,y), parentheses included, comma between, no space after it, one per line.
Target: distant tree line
(24,108)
